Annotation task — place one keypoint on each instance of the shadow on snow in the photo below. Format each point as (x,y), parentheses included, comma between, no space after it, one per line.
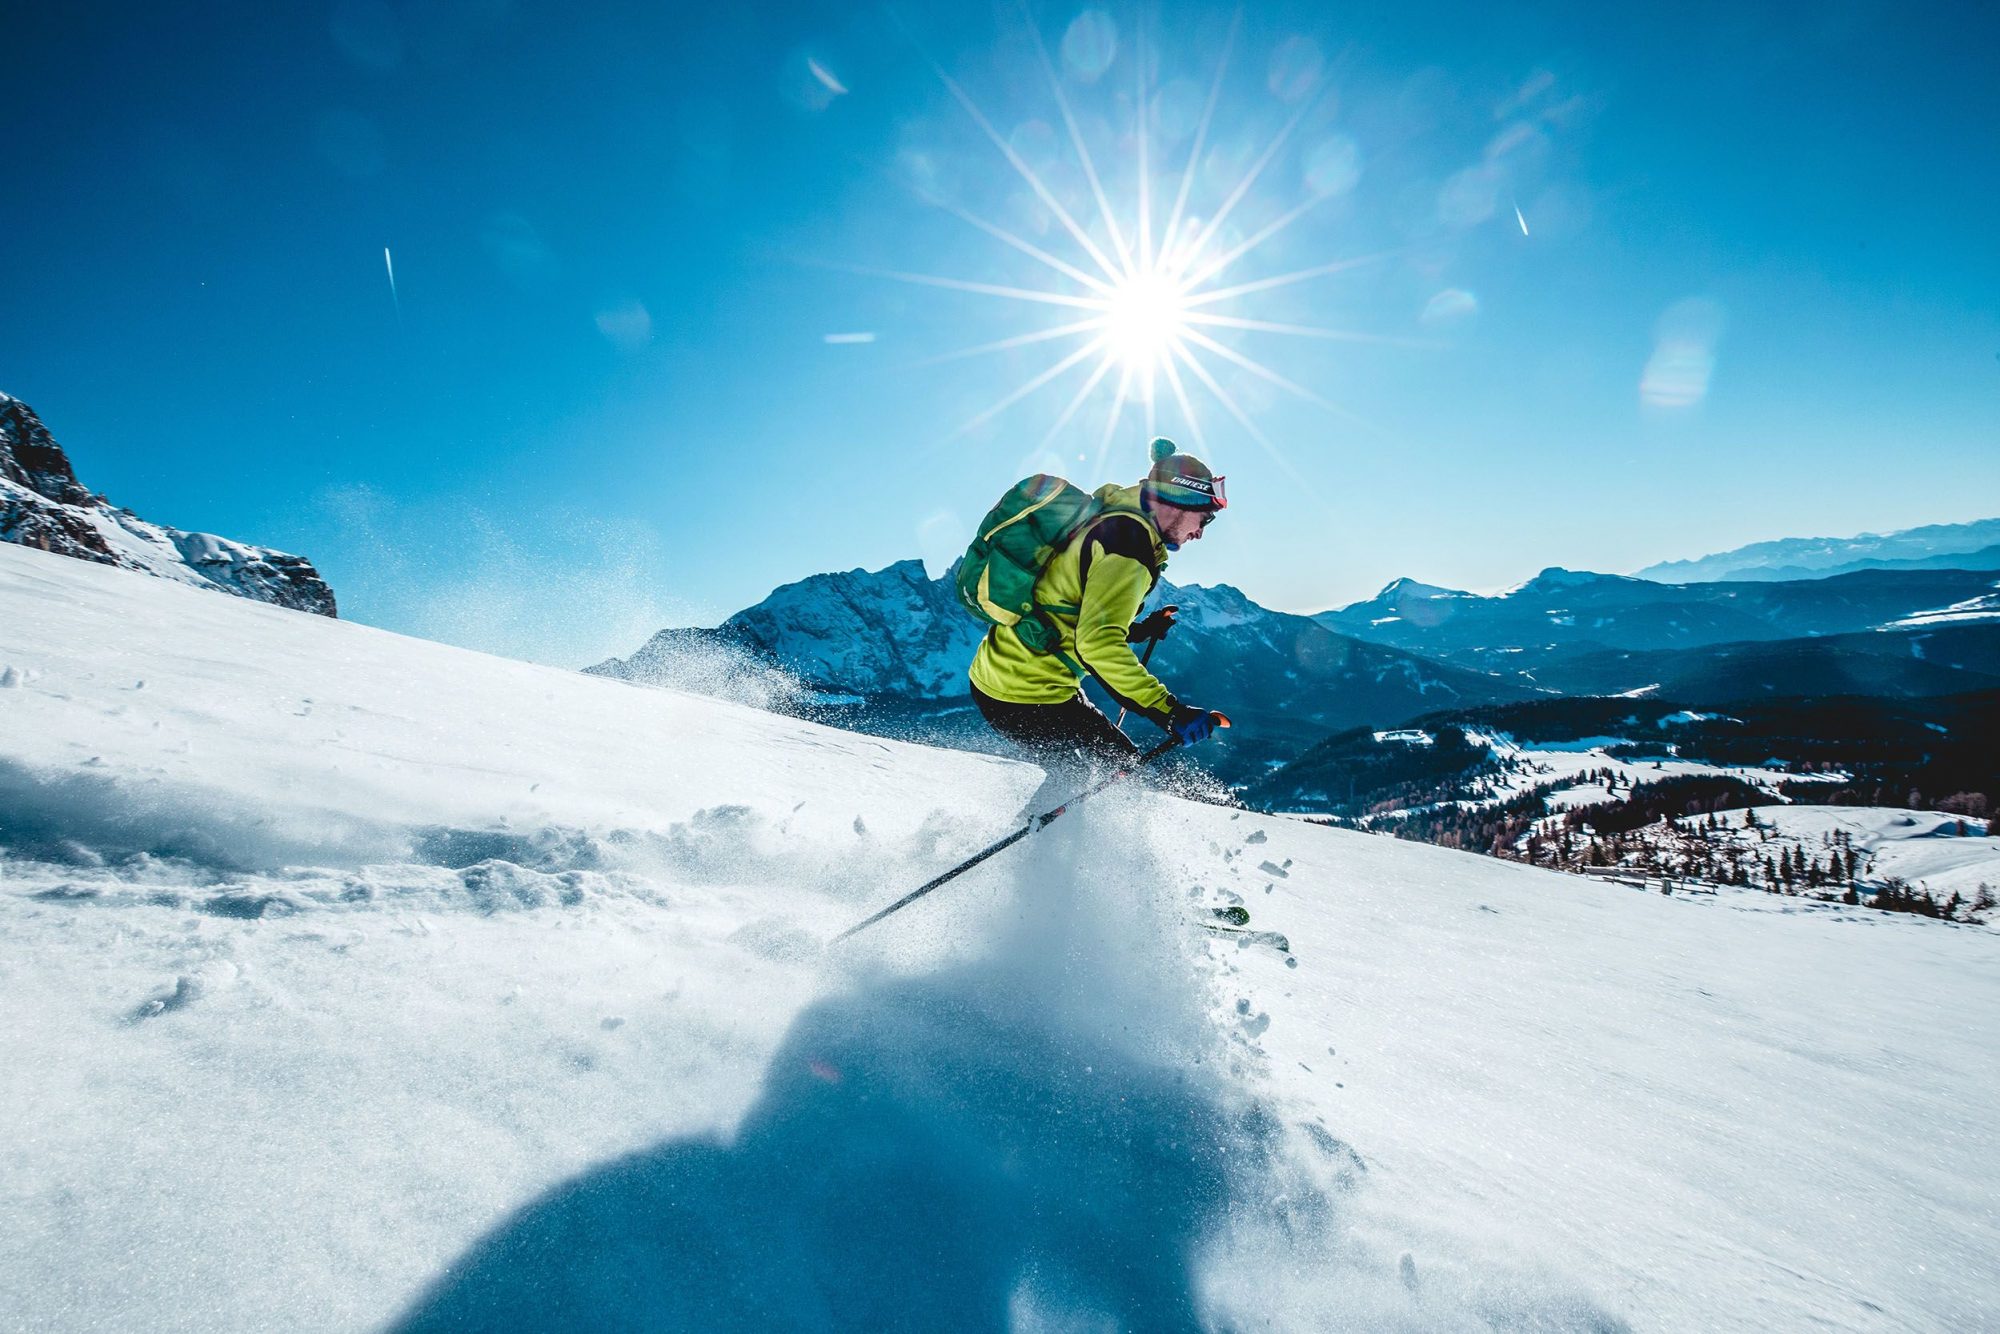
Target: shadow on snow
(922,1157)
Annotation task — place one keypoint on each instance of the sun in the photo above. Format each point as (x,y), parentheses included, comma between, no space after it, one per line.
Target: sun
(1146,321)
(1146,305)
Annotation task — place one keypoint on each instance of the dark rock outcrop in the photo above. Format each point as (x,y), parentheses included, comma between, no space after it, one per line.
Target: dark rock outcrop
(43,505)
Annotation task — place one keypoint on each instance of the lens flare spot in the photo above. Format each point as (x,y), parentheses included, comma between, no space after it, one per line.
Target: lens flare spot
(1295,68)
(810,83)
(1454,305)
(826,77)
(1469,197)
(1036,143)
(1516,142)
(1333,166)
(518,249)
(1090,45)
(1531,91)
(1683,360)
(627,325)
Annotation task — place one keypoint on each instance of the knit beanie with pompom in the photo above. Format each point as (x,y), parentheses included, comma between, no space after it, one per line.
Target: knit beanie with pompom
(1182,479)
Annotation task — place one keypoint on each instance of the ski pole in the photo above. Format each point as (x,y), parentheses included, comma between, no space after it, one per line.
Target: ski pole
(1040,821)
(1144,658)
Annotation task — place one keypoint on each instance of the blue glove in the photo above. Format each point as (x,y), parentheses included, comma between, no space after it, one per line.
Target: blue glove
(1190,724)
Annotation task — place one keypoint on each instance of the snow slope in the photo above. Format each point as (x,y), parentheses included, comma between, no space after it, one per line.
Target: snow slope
(355,982)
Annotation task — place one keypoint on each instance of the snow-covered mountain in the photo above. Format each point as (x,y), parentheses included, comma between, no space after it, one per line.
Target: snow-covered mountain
(1931,546)
(1406,600)
(43,505)
(367,982)
(894,631)
(886,651)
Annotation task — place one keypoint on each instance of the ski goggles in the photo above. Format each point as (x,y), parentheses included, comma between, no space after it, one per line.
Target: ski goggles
(1202,489)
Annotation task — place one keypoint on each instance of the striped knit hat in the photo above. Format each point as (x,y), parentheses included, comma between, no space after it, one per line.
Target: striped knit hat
(1183,480)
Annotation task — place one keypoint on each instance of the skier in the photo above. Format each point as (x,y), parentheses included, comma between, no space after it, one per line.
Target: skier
(1089,592)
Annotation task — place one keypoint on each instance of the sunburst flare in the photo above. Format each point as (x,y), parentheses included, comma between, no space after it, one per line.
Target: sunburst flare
(1143,299)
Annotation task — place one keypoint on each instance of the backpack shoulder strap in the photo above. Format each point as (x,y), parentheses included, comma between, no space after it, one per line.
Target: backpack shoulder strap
(1121,532)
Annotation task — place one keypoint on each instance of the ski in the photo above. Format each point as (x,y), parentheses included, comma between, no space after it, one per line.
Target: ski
(1245,938)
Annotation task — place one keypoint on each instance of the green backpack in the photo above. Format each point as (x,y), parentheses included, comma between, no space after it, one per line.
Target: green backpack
(1017,539)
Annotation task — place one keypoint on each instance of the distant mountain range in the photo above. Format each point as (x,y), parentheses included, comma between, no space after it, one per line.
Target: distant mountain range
(885,651)
(1541,631)
(42,504)
(1965,546)
(1892,663)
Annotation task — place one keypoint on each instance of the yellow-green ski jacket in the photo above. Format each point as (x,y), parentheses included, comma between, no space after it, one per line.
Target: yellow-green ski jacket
(1092,589)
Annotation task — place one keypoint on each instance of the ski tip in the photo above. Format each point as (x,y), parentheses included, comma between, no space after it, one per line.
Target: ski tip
(1221,719)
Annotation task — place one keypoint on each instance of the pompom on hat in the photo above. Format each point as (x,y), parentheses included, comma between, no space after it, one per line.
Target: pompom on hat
(1182,479)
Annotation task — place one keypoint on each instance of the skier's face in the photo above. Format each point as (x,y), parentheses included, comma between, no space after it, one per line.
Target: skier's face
(1178,527)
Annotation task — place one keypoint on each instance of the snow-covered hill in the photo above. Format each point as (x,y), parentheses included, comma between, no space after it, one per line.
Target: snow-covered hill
(43,505)
(1950,860)
(1935,852)
(355,981)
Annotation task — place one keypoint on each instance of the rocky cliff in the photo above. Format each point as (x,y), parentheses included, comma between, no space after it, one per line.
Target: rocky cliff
(42,504)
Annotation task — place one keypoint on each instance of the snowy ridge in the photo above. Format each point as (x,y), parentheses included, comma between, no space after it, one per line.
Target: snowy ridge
(1412,588)
(1984,607)
(42,504)
(1555,578)
(505,989)
(1219,607)
(893,631)
(896,631)
(1819,557)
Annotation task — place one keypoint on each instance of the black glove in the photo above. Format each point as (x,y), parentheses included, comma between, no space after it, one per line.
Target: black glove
(1191,724)
(1154,626)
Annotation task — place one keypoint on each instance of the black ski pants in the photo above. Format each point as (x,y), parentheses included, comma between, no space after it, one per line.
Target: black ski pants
(1068,740)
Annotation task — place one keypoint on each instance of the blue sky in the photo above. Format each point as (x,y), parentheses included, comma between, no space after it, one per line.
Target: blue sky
(1750,291)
